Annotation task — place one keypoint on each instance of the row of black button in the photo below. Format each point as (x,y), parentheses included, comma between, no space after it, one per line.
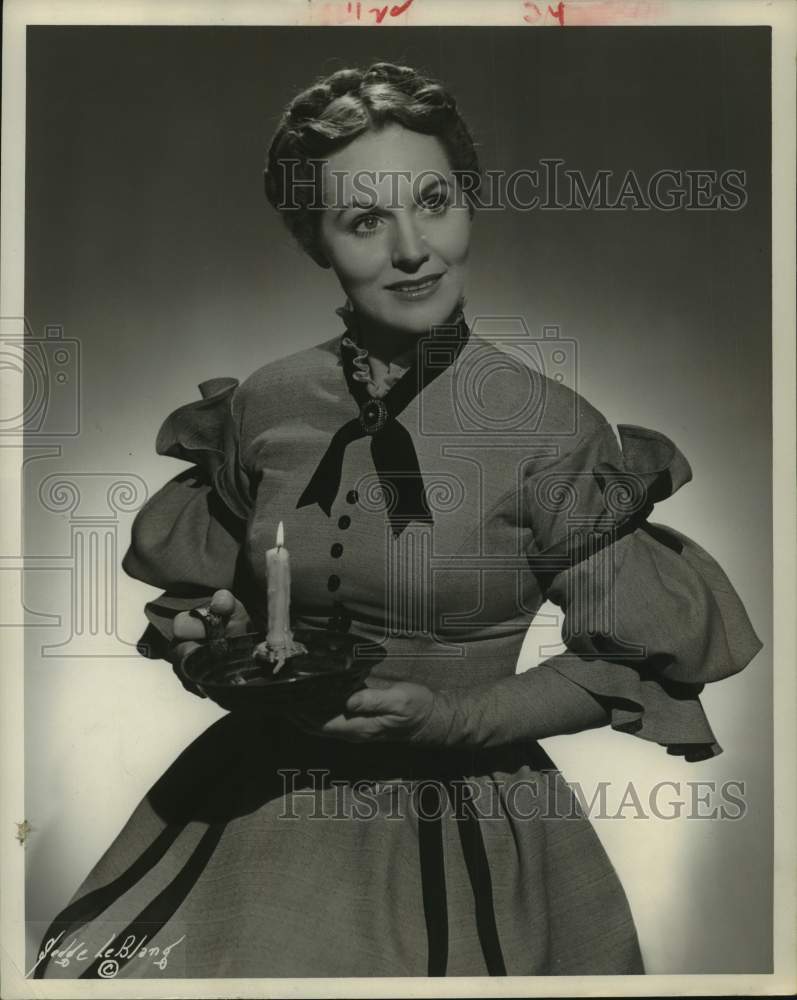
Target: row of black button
(337,549)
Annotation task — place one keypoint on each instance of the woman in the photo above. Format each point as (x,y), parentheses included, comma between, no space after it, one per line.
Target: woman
(421,831)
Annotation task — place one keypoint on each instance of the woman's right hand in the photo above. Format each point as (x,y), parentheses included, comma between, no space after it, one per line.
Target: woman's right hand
(189,631)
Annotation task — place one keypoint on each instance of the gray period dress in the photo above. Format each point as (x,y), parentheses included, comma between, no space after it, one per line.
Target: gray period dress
(263,851)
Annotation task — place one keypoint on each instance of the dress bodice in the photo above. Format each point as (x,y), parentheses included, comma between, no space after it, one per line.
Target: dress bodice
(532,496)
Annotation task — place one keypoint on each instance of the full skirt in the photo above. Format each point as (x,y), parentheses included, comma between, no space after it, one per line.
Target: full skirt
(264,852)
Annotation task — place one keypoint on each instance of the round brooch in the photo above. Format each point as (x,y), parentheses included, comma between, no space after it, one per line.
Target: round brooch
(373,416)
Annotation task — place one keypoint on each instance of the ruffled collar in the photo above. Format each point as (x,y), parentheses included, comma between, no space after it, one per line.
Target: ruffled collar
(392,449)
(352,341)
(375,374)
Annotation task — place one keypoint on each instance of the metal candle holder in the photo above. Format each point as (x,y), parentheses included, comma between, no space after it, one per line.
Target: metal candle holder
(333,667)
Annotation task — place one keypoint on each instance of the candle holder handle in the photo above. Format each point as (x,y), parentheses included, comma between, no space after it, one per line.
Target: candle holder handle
(214,624)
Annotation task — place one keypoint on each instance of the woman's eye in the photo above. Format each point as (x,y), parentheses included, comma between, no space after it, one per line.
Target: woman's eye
(366,225)
(436,202)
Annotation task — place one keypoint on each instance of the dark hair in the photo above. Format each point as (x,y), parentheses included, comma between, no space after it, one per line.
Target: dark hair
(339,108)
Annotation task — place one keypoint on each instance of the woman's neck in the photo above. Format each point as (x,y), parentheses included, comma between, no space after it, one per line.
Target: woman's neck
(389,344)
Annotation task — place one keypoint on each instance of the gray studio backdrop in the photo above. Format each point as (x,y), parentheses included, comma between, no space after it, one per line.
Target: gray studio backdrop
(153,263)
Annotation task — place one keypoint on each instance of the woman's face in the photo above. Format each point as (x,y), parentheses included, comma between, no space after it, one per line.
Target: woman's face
(396,242)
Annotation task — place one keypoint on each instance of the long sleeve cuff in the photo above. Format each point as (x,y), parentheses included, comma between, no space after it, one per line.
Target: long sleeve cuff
(524,707)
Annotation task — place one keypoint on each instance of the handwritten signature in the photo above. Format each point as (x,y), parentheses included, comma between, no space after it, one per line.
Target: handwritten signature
(110,957)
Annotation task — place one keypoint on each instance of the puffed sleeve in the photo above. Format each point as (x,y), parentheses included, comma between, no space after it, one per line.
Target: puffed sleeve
(187,537)
(650,616)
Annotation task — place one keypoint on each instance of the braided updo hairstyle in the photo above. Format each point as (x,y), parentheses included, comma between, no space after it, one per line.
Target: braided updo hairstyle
(339,108)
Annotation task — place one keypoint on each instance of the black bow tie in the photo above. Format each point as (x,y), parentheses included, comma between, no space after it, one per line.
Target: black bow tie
(392,450)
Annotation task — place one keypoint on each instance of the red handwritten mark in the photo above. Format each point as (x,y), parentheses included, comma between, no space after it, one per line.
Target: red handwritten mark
(535,14)
(380,13)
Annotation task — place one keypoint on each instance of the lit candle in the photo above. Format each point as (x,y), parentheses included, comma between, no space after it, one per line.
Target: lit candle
(278,576)
(279,644)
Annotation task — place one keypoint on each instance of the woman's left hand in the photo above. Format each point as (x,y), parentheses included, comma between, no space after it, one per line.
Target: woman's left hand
(396,711)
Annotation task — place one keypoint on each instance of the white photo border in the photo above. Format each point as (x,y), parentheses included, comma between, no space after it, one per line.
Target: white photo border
(781,15)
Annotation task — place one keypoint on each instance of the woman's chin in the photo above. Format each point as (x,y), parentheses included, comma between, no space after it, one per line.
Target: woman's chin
(417,318)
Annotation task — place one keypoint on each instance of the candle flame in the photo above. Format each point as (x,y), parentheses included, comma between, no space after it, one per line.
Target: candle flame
(280,536)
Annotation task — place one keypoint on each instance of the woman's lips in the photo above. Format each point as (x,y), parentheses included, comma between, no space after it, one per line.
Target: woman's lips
(418,288)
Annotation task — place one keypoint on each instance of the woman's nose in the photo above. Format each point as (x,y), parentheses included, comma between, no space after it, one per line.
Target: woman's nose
(409,250)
